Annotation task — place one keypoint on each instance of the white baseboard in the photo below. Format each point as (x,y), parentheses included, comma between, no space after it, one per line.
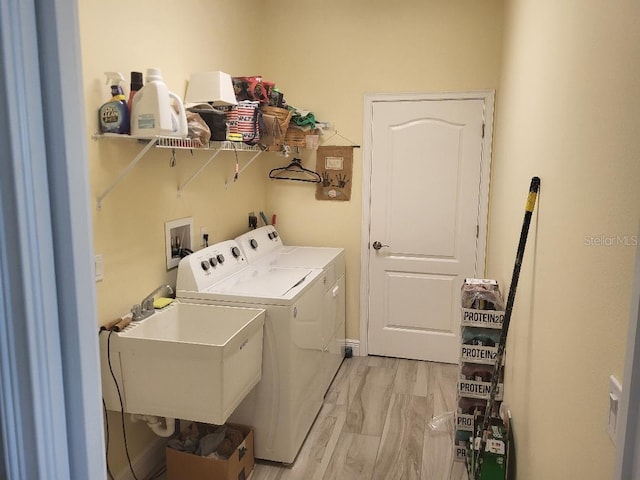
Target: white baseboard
(355,346)
(146,462)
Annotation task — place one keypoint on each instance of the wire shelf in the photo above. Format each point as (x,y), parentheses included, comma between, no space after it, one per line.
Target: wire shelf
(185,143)
(194,143)
(175,143)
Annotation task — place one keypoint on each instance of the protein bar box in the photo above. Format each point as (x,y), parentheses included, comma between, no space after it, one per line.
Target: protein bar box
(475,381)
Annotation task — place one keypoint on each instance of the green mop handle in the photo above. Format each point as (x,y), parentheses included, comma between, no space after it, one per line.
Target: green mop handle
(531,203)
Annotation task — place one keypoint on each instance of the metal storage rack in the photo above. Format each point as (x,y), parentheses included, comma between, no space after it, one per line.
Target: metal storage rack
(174,144)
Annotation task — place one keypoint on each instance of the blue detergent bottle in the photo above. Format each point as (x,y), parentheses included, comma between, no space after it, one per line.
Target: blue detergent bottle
(113,116)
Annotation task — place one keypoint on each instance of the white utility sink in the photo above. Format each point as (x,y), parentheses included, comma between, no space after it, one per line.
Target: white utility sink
(189,361)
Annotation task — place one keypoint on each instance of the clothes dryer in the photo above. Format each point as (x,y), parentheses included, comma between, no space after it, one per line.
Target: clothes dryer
(264,246)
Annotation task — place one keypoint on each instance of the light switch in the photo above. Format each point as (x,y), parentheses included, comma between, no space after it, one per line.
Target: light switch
(99,267)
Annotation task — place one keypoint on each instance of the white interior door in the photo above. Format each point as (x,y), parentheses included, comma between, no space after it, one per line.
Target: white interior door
(427,221)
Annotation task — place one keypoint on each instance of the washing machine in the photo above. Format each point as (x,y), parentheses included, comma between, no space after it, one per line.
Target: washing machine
(263,246)
(284,403)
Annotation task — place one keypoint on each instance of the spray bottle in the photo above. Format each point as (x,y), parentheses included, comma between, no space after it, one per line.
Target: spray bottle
(113,116)
(136,84)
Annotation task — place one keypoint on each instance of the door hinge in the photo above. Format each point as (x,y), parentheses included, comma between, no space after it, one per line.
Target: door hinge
(483,130)
(477,231)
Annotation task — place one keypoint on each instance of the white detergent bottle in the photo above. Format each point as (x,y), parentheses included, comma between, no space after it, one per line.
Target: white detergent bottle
(152,112)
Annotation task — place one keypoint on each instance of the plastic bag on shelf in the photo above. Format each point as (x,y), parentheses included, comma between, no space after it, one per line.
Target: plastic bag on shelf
(198,129)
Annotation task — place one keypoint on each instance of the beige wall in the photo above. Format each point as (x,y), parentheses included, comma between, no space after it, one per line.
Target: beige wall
(569,112)
(129,229)
(326,55)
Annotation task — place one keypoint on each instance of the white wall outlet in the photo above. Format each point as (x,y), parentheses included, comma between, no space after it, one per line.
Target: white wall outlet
(99,267)
(615,393)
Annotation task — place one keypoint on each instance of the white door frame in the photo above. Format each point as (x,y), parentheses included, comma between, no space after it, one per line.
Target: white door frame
(627,463)
(369,100)
(50,410)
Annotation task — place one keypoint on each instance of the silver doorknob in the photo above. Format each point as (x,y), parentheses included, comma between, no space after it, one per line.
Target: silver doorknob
(377,245)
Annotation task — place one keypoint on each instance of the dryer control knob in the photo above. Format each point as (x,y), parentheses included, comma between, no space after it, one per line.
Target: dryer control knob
(235,251)
(213,261)
(254,243)
(205,265)
(275,234)
(220,258)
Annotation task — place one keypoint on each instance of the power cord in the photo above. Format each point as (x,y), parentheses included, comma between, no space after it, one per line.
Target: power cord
(158,474)
(236,172)
(124,432)
(106,425)
(106,428)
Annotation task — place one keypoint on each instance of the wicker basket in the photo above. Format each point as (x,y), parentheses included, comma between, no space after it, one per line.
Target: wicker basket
(296,137)
(284,117)
(282,114)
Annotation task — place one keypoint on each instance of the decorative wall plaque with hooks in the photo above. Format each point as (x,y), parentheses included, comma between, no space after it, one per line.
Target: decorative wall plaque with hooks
(335,165)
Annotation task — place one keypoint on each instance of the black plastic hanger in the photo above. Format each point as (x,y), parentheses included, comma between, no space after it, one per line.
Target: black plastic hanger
(295,171)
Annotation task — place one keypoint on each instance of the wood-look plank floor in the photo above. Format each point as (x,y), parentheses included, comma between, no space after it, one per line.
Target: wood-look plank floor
(373,425)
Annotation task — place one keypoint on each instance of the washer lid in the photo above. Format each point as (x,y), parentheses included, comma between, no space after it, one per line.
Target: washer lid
(271,282)
(310,257)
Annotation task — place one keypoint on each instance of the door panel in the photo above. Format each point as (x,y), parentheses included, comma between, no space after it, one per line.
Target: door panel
(425,185)
(409,225)
(411,291)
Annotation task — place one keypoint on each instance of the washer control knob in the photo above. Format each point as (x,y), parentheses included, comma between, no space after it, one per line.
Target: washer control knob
(275,234)
(254,243)
(220,259)
(205,265)
(213,261)
(235,251)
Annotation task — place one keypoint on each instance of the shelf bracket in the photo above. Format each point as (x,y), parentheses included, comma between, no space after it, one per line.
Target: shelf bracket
(124,172)
(234,178)
(197,172)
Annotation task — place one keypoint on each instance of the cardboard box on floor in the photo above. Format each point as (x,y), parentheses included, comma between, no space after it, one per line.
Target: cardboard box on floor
(185,466)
